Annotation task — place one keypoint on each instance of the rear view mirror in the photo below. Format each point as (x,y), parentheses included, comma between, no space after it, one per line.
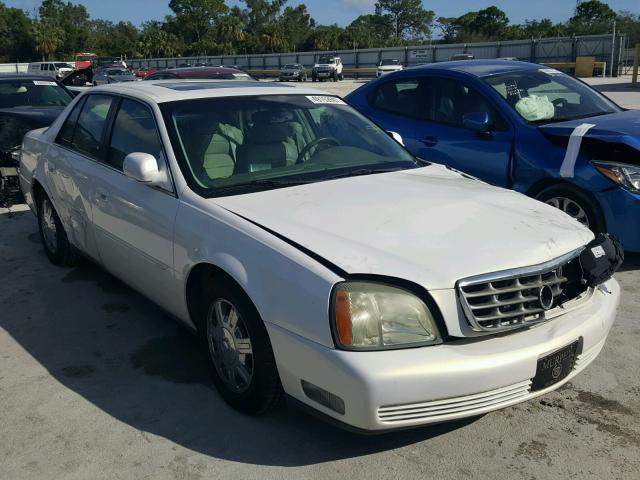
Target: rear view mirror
(476,121)
(142,167)
(397,137)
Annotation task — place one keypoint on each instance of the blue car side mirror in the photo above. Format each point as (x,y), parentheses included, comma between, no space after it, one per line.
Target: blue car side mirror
(476,121)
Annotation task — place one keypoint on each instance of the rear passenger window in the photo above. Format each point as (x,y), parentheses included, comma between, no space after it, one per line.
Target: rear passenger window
(134,130)
(87,137)
(65,136)
(401,97)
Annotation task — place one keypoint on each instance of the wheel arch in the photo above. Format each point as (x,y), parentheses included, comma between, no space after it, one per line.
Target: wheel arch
(202,277)
(541,185)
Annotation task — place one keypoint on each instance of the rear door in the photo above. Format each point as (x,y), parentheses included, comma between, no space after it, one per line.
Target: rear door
(442,138)
(72,162)
(396,106)
(133,221)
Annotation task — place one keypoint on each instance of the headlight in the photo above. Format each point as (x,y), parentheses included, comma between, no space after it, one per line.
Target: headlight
(627,176)
(374,316)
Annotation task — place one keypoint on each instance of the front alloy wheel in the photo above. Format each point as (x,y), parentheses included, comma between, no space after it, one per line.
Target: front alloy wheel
(242,360)
(575,203)
(230,345)
(571,208)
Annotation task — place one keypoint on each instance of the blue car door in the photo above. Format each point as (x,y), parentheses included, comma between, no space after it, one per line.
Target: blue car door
(442,138)
(395,106)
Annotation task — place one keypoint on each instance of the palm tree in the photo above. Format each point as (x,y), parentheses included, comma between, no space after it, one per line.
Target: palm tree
(230,33)
(48,38)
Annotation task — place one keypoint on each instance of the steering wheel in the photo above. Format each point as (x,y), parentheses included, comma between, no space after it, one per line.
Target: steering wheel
(314,143)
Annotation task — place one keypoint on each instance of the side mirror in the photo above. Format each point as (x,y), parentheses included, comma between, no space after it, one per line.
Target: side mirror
(476,121)
(142,167)
(396,136)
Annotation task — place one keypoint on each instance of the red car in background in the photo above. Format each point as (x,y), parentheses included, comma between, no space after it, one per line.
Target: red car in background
(143,72)
(201,73)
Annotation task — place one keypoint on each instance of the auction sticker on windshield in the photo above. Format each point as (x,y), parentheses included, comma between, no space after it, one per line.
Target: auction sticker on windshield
(550,71)
(325,99)
(43,82)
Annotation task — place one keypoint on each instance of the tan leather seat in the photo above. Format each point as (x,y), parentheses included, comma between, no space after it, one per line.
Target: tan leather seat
(268,144)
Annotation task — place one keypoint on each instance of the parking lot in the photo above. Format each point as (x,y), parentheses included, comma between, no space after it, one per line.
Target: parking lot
(97,382)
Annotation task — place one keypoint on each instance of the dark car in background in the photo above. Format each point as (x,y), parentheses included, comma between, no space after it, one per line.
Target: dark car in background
(293,71)
(27,102)
(200,73)
(113,75)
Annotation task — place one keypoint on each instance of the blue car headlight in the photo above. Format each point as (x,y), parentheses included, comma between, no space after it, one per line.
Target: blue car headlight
(625,175)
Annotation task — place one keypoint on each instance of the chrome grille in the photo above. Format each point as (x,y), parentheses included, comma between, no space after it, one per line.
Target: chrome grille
(514,298)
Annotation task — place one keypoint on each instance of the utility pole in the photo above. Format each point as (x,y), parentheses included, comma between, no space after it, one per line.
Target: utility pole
(613,48)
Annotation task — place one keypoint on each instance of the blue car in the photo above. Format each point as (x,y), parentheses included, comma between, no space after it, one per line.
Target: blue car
(521,126)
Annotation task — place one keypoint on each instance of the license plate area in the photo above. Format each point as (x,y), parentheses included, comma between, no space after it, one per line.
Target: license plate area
(555,366)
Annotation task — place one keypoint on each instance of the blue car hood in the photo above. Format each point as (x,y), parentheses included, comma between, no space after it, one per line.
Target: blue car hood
(622,127)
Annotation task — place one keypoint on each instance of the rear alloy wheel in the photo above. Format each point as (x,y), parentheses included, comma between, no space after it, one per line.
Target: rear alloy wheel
(54,238)
(244,368)
(574,203)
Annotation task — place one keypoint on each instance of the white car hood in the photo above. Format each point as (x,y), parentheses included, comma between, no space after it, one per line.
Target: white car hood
(389,67)
(428,225)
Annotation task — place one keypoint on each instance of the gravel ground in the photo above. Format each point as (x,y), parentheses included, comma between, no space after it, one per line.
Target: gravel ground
(96,382)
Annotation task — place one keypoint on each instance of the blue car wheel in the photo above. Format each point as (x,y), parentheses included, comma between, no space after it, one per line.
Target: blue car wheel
(576,204)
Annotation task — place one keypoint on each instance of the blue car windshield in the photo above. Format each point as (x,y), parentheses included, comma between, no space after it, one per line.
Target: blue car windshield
(546,95)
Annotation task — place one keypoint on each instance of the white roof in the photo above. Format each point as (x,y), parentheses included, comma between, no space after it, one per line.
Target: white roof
(160,91)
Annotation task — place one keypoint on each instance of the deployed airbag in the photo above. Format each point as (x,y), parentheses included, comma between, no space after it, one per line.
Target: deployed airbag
(533,108)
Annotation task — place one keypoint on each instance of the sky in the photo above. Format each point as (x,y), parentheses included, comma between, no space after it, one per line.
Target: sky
(343,12)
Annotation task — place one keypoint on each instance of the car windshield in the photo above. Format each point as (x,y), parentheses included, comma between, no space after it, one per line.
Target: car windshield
(234,144)
(325,60)
(117,72)
(291,66)
(546,95)
(32,93)
(389,62)
(61,65)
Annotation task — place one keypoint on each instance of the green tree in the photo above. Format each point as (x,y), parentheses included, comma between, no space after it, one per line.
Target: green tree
(325,37)
(155,41)
(70,22)
(409,19)
(16,40)
(230,33)
(296,25)
(592,17)
(370,31)
(196,18)
(48,38)
(111,39)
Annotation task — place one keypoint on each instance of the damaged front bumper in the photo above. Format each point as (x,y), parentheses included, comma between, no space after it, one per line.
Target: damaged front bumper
(622,213)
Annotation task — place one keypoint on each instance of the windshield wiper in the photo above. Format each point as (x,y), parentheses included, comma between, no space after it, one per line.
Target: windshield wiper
(257,184)
(363,171)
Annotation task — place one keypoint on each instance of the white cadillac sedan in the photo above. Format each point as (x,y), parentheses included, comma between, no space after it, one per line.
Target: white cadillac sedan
(315,257)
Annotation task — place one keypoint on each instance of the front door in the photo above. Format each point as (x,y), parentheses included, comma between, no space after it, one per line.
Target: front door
(442,138)
(134,222)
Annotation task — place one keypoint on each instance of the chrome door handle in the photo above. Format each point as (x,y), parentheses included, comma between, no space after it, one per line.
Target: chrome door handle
(51,167)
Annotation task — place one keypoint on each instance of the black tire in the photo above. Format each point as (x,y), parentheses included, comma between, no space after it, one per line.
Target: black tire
(56,246)
(341,77)
(264,391)
(314,78)
(575,199)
